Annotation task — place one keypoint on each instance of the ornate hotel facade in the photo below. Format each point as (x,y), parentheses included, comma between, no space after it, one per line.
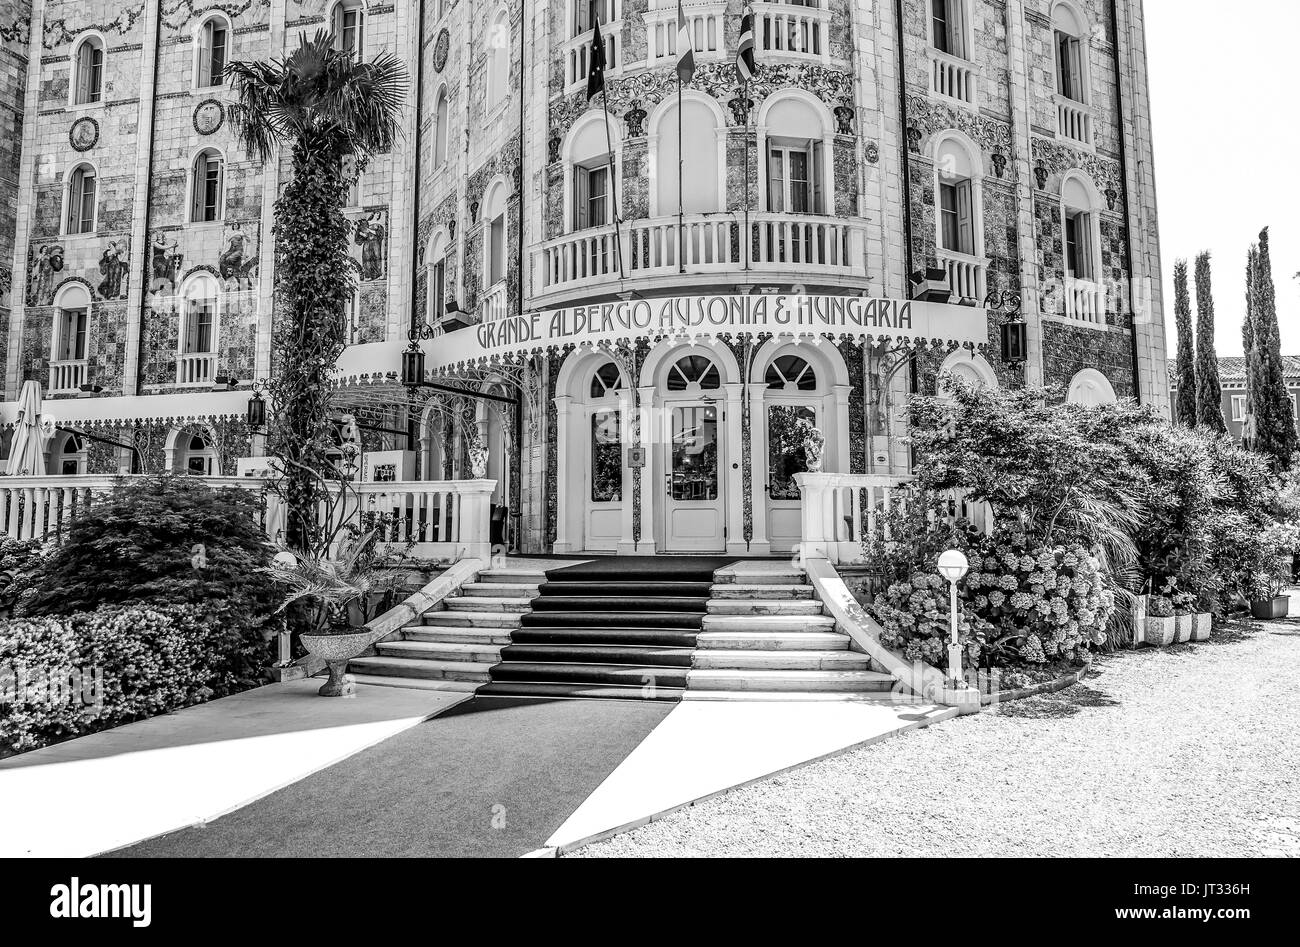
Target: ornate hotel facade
(640,334)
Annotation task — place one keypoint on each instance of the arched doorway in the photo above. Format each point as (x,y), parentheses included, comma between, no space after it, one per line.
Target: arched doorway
(593,404)
(794,387)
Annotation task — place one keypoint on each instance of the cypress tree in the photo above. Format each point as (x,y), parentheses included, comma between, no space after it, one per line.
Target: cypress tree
(1274,419)
(1185,407)
(1209,396)
(1254,367)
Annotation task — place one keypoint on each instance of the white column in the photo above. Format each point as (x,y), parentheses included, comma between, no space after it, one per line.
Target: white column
(651,484)
(731,475)
(839,458)
(758,543)
(563,471)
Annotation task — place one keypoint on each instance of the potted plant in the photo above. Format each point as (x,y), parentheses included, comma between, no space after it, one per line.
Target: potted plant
(338,596)
(1267,602)
(1161,626)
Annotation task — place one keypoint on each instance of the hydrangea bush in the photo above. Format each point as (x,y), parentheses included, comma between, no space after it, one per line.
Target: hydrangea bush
(132,662)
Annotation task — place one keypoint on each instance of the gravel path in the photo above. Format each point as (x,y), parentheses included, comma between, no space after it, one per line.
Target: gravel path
(1190,751)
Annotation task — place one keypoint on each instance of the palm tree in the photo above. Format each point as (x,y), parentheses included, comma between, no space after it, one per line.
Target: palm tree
(331,113)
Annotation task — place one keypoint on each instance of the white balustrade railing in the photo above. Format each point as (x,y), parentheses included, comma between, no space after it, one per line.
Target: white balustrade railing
(1085,301)
(67,375)
(705,243)
(966,274)
(492,305)
(706,22)
(953,77)
(789,30)
(448,518)
(840,512)
(196,369)
(1073,120)
(577,53)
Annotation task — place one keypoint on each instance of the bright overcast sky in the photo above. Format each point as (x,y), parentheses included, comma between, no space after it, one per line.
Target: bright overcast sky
(1227,142)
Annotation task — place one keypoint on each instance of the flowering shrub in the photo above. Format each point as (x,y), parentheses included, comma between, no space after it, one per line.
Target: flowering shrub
(1020,602)
(125,663)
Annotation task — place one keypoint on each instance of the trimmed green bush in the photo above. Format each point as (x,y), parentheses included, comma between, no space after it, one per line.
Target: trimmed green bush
(124,664)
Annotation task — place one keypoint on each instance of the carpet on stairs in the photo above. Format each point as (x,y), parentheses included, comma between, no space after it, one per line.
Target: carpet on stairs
(618,628)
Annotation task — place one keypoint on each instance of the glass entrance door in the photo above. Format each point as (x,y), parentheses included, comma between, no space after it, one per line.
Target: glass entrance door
(787,425)
(694,503)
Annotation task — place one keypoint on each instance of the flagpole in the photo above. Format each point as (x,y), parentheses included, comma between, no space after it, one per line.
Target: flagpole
(681,195)
(748,237)
(615,207)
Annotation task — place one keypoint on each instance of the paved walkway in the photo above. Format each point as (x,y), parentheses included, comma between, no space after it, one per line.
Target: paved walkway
(110,789)
(1190,751)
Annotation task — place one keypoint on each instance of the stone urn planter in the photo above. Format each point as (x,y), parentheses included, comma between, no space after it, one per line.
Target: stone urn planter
(1201,627)
(336,651)
(1270,609)
(1160,632)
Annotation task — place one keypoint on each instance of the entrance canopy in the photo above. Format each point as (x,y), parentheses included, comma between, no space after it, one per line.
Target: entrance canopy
(909,322)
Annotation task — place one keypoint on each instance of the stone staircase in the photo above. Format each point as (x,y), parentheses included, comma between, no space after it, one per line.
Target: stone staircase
(457,644)
(765,638)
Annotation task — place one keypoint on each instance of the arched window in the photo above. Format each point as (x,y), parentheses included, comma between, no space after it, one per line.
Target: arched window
(348,22)
(955,198)
(87,71)
(440,130)
(790,373)
(207,186)
(1070,38)
(436,260)
(590,181)
(71,456)
(72,316)
(196,361)
(607,381)
(498,59)
(210,46)
(494,234)
(701,189)
(198,458)
(694,372)
(796,158)
(1079,223)
(80,201)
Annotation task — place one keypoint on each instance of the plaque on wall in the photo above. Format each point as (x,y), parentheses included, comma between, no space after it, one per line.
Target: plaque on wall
(84,134)
(209,115)
(440,48)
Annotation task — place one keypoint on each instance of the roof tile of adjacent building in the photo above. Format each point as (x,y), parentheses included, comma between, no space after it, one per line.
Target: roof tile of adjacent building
(1233,368)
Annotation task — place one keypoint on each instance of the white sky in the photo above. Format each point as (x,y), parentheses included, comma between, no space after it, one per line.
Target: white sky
(1227,137)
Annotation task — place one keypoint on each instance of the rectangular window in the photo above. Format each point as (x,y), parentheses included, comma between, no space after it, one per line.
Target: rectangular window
(1069,67)
(794,179)
(1078,245)
(939,25)
(207,189)
(606,458)
(198,331)
(948,230)
(957,217)
(81,202)
(347,25)
(1238,407)
(439,289)
(497,251)
(212,61)
(72,335)
(591,196)
(90,72)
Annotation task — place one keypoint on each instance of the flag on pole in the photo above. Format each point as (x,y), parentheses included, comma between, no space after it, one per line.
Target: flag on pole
(596,67)
(745,66)
(685,48)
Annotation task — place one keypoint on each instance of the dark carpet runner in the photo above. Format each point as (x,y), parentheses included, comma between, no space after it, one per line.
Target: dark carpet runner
(615,628)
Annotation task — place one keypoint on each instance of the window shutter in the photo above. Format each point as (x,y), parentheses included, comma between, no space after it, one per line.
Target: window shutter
(198,175)
(1062,62)
(817,157)
(1086,250)
(73,214)
(775,182)
(957,28)
(581,194)
(218,198)
(96,72)
(966,217)
(1076,69)
(79,342)
(83,74)
(205,56)
(218,59)
(87,202)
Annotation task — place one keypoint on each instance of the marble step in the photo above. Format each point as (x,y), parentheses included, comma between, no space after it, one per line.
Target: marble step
(458,634)
(794,623)
(786,680)
(512,577)
(466,652)
(756,577)
(417,683)
(419,667)
(781,660)
(864,697)
(740,606)
(499,590)
(459,619)
(772,641)
(481,603)
(766,592)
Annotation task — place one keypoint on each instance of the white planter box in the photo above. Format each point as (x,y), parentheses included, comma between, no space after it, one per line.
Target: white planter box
(1201,626)
(1183,627)
(1160,632)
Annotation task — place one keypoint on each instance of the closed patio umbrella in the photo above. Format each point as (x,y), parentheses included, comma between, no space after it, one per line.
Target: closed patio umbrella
(27,453)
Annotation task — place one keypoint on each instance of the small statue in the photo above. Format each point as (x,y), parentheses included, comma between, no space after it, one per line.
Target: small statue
(814,448)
